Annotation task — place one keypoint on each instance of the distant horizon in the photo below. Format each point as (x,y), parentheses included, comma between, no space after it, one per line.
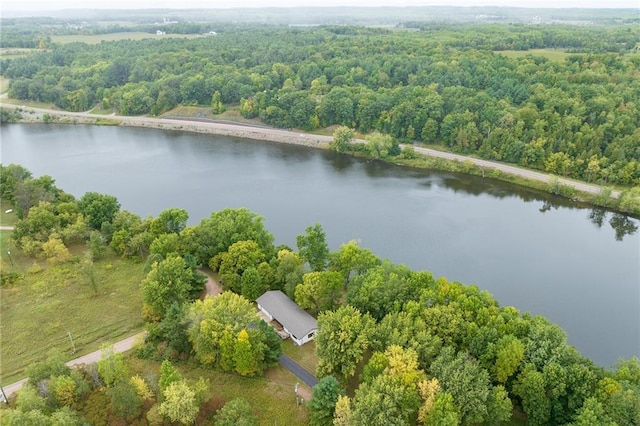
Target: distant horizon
(61,5)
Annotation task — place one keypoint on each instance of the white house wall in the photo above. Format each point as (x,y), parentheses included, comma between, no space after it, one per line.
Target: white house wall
(266,313)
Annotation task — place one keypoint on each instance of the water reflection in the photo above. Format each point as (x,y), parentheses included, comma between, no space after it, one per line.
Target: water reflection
(621,224)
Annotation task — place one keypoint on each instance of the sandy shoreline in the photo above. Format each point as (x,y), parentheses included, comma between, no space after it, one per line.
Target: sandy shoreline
(223,128)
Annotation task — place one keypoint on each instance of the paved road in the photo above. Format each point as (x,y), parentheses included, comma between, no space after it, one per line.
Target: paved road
(118,347)
(285,136)
(302,374)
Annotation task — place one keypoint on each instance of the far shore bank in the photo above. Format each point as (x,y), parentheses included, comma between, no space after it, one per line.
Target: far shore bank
(580,191)
(184,124)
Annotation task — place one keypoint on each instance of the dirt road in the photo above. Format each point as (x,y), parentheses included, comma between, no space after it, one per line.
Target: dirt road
(513,170)
(285,136)
(212,287)
(90,358)
(219,128)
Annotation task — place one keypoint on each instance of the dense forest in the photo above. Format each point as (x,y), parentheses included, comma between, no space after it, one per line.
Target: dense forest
(573,115)
(394,346)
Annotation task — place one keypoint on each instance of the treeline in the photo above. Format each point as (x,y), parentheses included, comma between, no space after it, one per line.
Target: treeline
(412,349)
(578,117)
(575,38)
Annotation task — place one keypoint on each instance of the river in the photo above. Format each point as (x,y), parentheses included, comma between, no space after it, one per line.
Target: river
(578,267)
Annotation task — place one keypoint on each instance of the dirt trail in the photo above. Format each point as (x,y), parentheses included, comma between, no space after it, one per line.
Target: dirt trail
(212,286)
(90,358)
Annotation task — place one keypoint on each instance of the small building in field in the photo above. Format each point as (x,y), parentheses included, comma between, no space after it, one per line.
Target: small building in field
(301,326)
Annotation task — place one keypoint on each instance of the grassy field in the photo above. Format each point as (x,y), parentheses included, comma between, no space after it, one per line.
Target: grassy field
(29,103)
(4,84)
(39,311)
(7,219)
(550,54)
(16,52)
(304,355)
(231,114)
(272,397)
(97,38)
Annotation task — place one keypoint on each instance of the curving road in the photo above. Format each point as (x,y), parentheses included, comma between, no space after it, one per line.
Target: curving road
(285,136)
(90,358)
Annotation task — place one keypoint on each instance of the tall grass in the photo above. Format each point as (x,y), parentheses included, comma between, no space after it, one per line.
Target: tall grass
(97,38)
(51,302)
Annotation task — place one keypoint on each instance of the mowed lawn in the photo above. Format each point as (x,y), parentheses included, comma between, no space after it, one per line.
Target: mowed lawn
(51,301)
(304,355)
(97,38)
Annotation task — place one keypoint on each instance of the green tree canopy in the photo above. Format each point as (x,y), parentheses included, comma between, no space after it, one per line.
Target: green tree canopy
(218,232)
(170,281)
(342,340)
(323,401)
(211,317)
(98,208)
(236,412)
(313,248)
(319,291)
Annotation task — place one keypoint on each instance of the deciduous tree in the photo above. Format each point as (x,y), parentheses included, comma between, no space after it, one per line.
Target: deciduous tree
(342,340)
(180,403)
(319,291)
(98,208)
(323,401)
(211,317)
(236,412)
(111,366)
(342,138)
(218,232)
(241,256)
(466,381)
(169,281)
(313,248)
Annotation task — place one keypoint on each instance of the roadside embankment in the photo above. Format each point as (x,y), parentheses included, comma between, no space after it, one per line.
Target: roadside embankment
(590,193)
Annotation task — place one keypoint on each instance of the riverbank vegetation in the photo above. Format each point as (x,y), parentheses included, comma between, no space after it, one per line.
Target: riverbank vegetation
(413,348)
(388,149)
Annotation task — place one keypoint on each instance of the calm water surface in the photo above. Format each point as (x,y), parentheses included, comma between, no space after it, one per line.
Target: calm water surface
(527,249)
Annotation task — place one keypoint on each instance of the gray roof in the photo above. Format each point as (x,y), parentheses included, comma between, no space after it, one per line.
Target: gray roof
(287,313)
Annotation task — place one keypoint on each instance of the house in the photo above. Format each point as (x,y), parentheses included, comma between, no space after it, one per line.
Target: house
(158,32)
(301,326)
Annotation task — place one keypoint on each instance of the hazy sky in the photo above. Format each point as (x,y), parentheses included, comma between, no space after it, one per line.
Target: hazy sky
(186,4)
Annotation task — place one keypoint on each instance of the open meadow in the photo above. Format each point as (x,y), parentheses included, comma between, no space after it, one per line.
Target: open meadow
(49,302)
(551,54)
(98,38)
(4,84)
